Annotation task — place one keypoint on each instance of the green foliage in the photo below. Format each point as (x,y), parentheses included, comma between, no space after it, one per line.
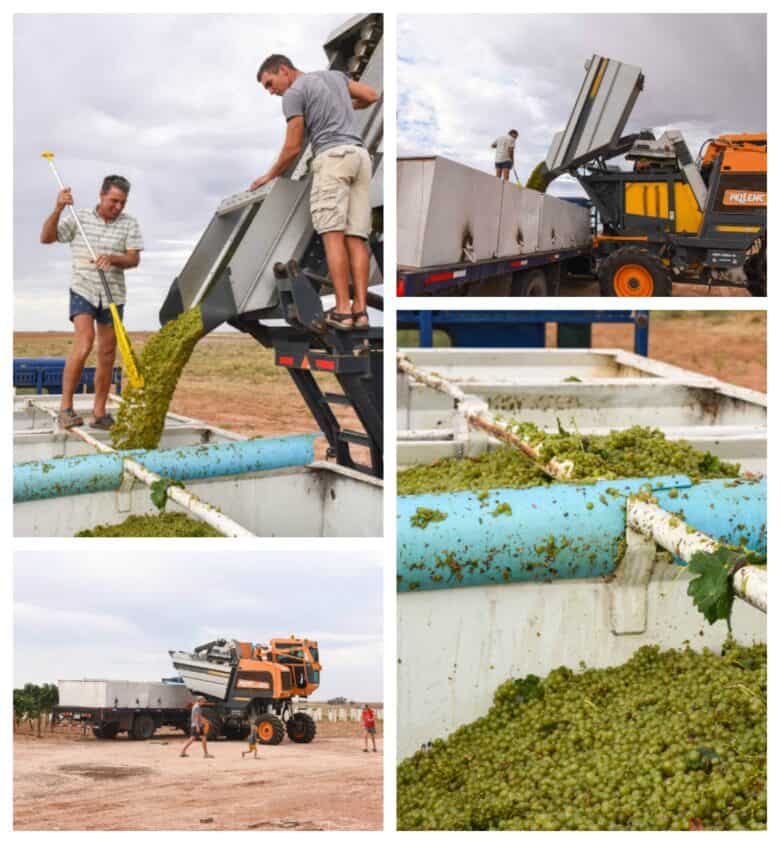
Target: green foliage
(712,591)
(159,490)
(33,700)
(671,740)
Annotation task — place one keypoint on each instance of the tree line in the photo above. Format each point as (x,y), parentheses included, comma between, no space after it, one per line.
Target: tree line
(33,703)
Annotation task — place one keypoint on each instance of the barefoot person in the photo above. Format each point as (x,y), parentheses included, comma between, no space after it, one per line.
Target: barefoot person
(252,739)
(116,238)
(198,729)
(369,727)
(321,104)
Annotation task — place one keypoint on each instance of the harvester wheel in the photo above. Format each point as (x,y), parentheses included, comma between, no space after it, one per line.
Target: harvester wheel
(755,270)
(143,727)
(301,728)
(632,271)
(270,730)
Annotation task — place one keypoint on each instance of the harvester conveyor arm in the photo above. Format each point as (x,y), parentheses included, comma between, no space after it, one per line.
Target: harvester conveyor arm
(678,538)
(183,497)
(475,411)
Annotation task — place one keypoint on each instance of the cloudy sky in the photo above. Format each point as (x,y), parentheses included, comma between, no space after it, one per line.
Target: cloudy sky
(463,80)
(170,102)
(79,614)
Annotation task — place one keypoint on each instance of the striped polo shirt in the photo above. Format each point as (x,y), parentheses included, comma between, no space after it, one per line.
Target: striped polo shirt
(114,238)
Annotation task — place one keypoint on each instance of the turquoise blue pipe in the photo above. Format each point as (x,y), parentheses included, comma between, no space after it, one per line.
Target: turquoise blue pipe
(560,531)
(99,472)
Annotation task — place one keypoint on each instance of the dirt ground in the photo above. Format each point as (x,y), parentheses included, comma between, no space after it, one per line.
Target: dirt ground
(729,345)
(231,381)
(66,781)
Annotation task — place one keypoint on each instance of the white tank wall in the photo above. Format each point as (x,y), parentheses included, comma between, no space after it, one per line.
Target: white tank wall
(121,694)
(305,501)
(456,646)
(439,201)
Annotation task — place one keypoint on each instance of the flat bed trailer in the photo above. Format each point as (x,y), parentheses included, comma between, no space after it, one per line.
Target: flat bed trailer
(538,274)
(111,707)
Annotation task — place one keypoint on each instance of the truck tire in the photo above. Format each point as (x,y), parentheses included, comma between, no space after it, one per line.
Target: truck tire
(236,732)
(270,730)
(106,731)
(633,271)
(301,728)
(143,727)
(529,283)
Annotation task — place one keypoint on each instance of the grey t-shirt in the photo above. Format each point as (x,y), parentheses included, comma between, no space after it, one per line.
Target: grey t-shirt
(195,716)
(505,148)
(323,99)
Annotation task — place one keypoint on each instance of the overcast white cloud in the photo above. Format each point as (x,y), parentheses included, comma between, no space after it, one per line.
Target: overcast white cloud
(168,101)
(463,80)
(91,614)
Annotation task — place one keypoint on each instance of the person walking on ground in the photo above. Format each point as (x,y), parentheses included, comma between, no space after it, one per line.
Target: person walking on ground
(505,153)
(252,739)
(321,104)
(116,238)
(369,727)
(198,729)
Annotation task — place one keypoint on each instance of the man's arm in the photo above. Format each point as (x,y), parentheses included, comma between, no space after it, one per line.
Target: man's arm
(362,95)
(49,230)
(293,144)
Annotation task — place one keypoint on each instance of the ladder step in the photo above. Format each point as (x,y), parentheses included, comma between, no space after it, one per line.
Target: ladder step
(336,398)
(355,437)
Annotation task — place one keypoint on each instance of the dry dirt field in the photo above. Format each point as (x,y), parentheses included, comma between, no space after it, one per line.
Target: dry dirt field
(231,381)
(66,781)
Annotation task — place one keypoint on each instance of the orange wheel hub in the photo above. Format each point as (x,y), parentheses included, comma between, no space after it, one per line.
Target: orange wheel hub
(266,730)
(633,280)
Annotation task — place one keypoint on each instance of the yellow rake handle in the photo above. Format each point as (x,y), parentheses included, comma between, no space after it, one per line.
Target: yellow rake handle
(123,341)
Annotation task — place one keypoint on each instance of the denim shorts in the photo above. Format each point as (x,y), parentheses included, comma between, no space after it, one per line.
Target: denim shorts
(79,305)
(503,165)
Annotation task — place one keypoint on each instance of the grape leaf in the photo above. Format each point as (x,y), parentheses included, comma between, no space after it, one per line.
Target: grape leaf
(712,591)
(160,491)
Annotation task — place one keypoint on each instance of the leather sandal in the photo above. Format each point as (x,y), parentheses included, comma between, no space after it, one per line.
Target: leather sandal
(360,319)
(338,320)
(68,418)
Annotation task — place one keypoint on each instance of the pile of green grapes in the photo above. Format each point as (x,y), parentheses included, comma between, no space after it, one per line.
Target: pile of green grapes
(632,453)
(164,524)
(671,740)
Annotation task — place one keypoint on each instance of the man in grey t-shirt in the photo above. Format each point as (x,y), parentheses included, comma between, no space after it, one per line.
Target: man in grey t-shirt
(505,153)
(321,105)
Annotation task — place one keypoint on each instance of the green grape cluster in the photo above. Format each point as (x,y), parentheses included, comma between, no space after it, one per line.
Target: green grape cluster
(631,453)
(671,740)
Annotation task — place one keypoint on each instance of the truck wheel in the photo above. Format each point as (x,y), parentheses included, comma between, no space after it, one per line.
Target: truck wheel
(143,727)
(105,731)
(533,283)
(301,728)
(214,724)
(270,729)
(632,271)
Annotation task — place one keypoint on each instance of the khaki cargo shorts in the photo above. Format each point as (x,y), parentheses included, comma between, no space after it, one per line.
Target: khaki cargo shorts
(340,191)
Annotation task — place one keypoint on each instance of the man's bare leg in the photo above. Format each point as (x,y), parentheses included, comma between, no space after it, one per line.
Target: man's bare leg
(188,743)
(505,175)
(338,266)
(83,338)
(360,266)
(205,747)
(106,355)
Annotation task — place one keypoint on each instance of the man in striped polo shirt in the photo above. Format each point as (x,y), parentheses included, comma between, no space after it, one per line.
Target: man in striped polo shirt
(116,240)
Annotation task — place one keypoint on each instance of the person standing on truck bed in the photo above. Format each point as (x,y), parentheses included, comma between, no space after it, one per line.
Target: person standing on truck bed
(116,238)
(198,729)
(505,153)
(321,104)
